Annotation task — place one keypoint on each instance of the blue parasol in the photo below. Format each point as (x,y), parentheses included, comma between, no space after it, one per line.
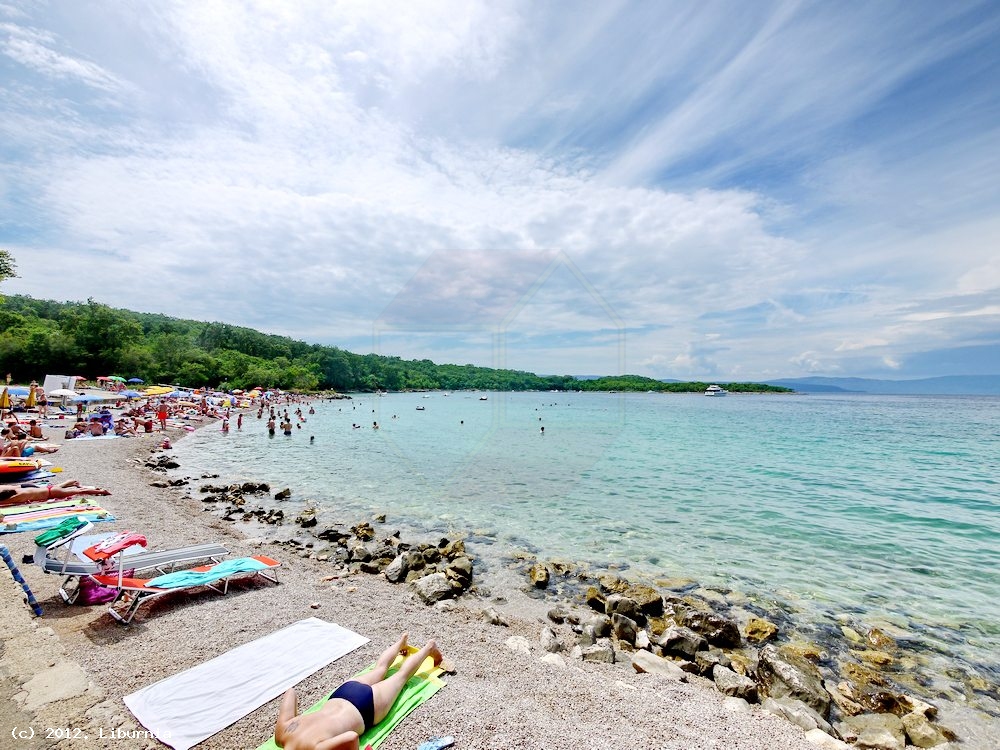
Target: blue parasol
(88,398)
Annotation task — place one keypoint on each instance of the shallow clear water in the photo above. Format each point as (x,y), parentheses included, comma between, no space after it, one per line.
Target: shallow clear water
(884,508)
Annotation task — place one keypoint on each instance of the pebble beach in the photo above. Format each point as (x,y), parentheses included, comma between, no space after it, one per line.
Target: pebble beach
(71,668)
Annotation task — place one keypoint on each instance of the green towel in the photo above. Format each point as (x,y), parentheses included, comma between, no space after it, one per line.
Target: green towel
(61,531)
(417,690)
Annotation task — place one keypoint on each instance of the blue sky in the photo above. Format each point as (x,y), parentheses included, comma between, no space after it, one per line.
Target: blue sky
(714,190)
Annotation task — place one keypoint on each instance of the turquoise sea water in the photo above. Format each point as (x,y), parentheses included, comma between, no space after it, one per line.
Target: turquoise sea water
(877,510)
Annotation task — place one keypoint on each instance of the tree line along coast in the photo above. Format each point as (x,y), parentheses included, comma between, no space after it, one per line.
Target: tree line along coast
(89,337)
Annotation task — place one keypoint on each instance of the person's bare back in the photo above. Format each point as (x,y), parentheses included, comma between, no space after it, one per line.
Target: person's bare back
(354,707)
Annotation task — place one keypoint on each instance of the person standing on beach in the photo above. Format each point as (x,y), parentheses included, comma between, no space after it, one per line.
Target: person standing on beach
(161,415)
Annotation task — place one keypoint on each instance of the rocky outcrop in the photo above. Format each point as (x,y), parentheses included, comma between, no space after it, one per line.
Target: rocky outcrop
(643,661)
(433,588)
(797,713)
(759,630)
(783,674)
(538,574)
(735,685)
(874,732)
(718,630)
(624,628)
(921,732)
(681,641)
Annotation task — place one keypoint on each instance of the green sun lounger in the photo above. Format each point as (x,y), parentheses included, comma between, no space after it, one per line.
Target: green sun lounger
(418,689)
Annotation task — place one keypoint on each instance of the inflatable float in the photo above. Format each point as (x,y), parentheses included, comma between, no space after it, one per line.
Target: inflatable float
(18,466)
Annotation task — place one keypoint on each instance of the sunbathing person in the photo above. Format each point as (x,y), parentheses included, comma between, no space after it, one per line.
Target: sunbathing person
(353,708)
(69,488)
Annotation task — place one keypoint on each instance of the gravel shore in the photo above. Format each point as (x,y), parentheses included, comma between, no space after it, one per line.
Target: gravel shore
(497,698)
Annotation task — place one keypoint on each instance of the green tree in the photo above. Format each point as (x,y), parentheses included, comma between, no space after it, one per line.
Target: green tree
(8,269)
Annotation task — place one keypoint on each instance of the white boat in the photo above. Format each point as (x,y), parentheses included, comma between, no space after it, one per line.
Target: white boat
(714,390)
(482,398)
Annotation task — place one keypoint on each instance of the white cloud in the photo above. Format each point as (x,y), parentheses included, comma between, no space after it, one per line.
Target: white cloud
(293,166)
(33,49)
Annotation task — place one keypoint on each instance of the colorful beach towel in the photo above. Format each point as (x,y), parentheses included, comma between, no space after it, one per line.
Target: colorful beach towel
(34,476)
(42,516)
(187,578)
(425,682)
(191,706)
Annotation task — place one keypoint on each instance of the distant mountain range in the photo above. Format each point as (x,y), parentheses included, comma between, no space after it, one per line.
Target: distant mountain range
(972,385)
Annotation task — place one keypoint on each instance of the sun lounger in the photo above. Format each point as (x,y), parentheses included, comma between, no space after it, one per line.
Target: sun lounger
(133,592)
(74,563)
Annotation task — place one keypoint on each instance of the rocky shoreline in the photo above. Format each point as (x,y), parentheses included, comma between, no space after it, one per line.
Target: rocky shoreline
(863,689)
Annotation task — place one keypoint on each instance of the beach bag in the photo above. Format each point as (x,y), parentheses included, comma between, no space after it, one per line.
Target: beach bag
(91,592)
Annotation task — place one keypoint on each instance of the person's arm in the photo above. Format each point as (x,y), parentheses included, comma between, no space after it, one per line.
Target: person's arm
(286,713)
(345,741)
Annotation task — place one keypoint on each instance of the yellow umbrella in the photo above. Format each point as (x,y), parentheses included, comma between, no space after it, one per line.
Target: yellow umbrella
(4,400)
(30,402)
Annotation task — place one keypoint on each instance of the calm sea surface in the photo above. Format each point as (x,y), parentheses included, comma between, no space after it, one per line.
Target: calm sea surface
(874,509)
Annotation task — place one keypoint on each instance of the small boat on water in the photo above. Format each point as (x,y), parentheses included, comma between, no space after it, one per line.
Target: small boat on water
(483,398)
(421,408)
(714,390)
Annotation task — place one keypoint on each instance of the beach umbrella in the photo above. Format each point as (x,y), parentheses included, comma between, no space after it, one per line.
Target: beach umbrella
(135,380)
(87,398)
(63,393)
(117,378)
(4,401)
(18,390)
(130,394)
(31,400)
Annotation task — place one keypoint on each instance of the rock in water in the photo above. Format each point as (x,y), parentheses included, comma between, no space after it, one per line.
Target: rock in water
(760,630)
(785,674)
(539,576)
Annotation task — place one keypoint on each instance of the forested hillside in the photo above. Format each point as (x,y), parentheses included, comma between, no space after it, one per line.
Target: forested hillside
(91,339)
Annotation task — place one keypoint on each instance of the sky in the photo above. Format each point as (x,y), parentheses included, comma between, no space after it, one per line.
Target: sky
(712,190)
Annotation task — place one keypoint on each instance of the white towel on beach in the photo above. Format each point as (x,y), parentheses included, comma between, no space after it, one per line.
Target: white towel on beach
(191,706)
